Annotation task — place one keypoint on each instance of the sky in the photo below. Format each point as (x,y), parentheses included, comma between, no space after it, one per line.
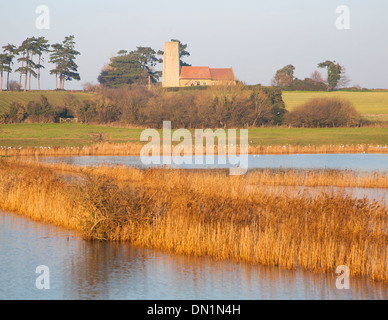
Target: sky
(254,37)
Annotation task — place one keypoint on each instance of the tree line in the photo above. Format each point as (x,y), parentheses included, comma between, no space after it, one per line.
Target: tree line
(31,55)
(336,78)
(215,107)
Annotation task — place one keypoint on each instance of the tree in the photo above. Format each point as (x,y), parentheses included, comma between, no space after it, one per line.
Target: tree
(14,85)
(333,73)
(10,51)
(287,70)
(344,81)
(282,80)
(26,49)
(63,56)
(148,60)
(128,68)
(316,76)
(70,66)
(123,69)
(182,53)
(4,65)
(55,58)
(42,47)
(262,107)
(21,50)
(284,77)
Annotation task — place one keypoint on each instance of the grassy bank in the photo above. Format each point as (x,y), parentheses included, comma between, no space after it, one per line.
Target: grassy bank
(261,140)
(209,213)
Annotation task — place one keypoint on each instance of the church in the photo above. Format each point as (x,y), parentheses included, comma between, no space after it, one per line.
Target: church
(176,76)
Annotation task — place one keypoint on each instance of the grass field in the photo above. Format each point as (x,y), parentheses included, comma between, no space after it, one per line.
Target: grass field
(54,97)
(66,134)
(366,103)
(72,134)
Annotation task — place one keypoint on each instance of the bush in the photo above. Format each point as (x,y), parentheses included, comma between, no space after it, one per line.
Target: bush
(324,112)
(308,85)
(35,112)
(109,209)
(15,114)
(14,85)
(212,107)
(42,111)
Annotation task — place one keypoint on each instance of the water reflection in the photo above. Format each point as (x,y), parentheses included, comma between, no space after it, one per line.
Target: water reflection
(106,270)
(356,162)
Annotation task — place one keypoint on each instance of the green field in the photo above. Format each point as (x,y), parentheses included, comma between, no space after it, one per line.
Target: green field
(55,98)
(62,134)
(366,103)
(71,134)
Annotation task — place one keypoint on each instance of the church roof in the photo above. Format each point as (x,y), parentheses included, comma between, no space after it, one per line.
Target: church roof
(222,74)
(195,73)
(206,73)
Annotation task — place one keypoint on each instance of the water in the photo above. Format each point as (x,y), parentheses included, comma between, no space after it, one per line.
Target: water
(354,162)
(104,270)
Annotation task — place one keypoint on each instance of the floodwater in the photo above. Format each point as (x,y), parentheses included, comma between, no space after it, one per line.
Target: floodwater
(354,162)
(357,163)
(80,269)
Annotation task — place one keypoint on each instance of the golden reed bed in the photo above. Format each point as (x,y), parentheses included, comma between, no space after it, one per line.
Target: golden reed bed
(133,149)
(209,213)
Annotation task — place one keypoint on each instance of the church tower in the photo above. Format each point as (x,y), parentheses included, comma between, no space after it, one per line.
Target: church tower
(171,64)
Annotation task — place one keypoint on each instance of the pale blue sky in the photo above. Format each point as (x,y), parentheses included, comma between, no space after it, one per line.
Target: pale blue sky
(256,38)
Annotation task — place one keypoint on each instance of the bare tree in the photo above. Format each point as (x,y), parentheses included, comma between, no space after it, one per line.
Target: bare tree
(316,76)
(344,81)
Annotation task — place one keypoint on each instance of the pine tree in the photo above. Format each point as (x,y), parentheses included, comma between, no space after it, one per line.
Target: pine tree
(4,65)
(63,56)
(28,66)
(334,71)
(10,51)
(42,47)
(134,67)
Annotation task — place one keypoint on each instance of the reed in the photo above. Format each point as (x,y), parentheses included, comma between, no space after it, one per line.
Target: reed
(317,178)
(208,213)
(134,149)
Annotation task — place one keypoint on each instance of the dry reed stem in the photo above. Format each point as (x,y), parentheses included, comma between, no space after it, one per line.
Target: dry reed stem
(134,149)
(208,213)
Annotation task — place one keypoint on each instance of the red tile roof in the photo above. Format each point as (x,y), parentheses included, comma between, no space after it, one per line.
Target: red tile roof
(222,74)
(195,73)
(206,73)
